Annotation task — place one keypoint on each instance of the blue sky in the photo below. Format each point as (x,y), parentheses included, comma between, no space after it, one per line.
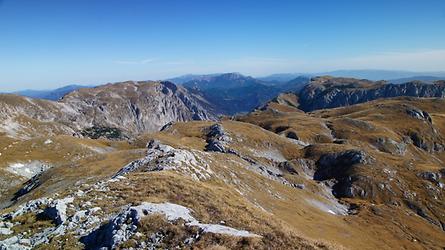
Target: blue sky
(44,44)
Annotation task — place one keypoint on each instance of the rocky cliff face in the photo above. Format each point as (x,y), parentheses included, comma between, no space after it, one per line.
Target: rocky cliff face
(136,107)
(329,92)
(126,108)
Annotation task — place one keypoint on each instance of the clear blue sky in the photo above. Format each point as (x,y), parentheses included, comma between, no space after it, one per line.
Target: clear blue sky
(44,44)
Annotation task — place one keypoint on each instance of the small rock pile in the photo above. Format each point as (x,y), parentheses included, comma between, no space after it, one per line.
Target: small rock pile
(217,139)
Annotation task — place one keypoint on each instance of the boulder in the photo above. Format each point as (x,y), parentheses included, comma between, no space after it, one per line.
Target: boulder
(418,114)
(56,210)
(332,165)
(430,176)
(217,139)
(391,146)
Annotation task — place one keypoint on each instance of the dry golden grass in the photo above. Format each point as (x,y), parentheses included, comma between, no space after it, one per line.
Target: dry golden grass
(361,126)
(244,199)
(307,128)
(211,202)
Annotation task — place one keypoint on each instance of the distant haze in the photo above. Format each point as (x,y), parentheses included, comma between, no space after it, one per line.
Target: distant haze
(95,41)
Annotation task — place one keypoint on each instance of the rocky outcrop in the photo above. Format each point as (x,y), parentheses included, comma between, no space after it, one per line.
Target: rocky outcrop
(164,157)
(336,164)
(80,223)
(135,107)
(434,177)
(418,114)
(339,167)
(123,226)
(217,139)
(56,211)
(391,146)
(330,92)
(29,185)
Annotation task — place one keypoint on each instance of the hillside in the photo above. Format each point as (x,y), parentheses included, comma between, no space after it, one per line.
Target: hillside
(113,110)
(136,107)
(384,157)
(363,176)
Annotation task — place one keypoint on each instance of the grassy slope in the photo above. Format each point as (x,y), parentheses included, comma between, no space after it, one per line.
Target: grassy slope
(247,200)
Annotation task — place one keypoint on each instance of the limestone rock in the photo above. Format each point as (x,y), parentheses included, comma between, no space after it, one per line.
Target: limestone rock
(56,211)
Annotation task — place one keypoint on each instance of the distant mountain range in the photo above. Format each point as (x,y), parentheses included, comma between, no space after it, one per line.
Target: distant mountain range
(53,94)
(375,75)
(426,79)
(233,93)
(191,77)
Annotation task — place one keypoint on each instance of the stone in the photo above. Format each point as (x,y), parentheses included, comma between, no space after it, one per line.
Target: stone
(334,164)
(217,139)
(430,176)
(418,114)
(56,211)
(391,146)
(288,167)
(5,231)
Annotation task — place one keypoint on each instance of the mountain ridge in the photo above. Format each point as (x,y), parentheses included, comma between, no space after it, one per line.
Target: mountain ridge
(129,107)
(331,92)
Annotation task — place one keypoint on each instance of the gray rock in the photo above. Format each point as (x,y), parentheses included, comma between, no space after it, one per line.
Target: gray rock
(29,185)
(334,164)
(391,146)
(217,139)
(418,114)
(337,166)
(5,231)
(56,211)
(215,145)
(431,176)
(292,135)
(299,186)
(35,206)
(288,167)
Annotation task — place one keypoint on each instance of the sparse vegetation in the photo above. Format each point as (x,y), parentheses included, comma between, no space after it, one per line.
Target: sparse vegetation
(103,132)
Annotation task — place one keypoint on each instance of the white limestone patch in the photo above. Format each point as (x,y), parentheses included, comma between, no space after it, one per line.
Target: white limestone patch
(174,212)
(11,127)
(298,142)
(99,150)
(5,231)
(220,229)
(332,208)
(272,154)
(29,169)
